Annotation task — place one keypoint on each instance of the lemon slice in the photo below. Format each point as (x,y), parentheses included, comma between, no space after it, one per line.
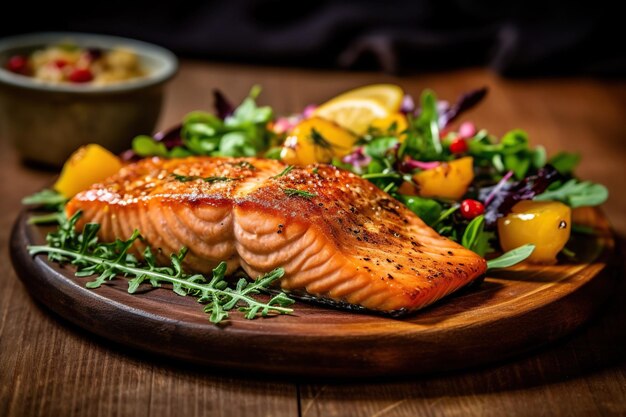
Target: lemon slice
(389,95)
(355,114)
(356,109)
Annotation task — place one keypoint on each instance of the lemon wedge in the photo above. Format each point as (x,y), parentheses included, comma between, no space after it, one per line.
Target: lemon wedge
(354,114)
(389,95)
(357,109)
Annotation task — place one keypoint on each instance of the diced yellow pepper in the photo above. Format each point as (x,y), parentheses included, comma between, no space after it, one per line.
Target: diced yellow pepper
(316,140)
(449,180)
(545,224)
(86,166)
(394,124)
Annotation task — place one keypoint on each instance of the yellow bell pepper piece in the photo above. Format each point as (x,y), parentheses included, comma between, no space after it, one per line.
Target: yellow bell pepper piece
(449,180)
(545,224)
(316,140)
(86,166)
(394,124)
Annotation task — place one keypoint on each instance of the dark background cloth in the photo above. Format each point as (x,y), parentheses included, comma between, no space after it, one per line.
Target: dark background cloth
(515,38)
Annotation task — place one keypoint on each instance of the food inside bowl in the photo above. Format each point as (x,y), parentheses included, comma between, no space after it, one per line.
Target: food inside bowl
(70,63)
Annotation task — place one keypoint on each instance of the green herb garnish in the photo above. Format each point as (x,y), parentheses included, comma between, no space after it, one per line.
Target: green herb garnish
(48,200)
(284,172)
(108,261)
(291,192)
(188,178)
(576,194)
(511,257)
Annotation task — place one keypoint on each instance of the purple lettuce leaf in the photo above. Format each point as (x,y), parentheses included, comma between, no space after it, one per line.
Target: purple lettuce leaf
(465,102)
(223,106)
(507,196)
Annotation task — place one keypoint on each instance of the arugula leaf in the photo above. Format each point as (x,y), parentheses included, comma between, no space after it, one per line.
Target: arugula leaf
(511,257)
(576,194)
(109,261)
(49,200)
(565,162)
(45,198)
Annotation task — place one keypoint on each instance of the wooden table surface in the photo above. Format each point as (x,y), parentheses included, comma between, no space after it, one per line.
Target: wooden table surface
(51,368)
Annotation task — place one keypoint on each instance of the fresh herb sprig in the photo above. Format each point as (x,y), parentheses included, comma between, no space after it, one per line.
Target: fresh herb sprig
(108,261)
(210,180)
(284,172)
(48,200)
(294,192)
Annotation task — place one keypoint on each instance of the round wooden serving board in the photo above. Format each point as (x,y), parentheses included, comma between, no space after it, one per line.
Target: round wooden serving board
(513,311)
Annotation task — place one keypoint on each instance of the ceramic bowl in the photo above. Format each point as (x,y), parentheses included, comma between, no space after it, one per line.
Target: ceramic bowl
(47,122)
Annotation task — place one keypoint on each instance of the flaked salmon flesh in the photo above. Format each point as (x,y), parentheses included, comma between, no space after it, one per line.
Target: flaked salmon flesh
(337,236)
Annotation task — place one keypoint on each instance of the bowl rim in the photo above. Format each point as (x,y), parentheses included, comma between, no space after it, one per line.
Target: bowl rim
(167,67)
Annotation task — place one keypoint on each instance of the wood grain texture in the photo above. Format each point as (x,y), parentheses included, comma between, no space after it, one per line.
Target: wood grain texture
(523,307)
(49,367)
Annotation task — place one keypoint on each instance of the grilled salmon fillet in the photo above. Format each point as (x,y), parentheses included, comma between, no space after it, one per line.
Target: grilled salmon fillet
(337,236)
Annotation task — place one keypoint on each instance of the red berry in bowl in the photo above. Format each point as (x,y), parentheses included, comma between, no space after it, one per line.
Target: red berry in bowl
(80,75)
(18,64)
(471,208)
(60,63)
(458,145)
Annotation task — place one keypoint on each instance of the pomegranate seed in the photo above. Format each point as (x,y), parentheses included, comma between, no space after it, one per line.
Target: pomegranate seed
(458,145)
(60,63)
(471,208)
(18,64)
(80,75)
(467,130)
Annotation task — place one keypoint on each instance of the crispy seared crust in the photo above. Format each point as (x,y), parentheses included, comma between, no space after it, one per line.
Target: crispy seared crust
(350,242)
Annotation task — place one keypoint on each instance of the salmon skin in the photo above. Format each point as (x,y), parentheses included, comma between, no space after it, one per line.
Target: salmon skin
(337,236)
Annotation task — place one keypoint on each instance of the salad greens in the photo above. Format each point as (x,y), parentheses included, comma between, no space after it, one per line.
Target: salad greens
(503,172)
(575,193)
(506,170)
(241,133)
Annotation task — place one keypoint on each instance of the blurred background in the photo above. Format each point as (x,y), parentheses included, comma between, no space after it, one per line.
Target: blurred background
(515,38)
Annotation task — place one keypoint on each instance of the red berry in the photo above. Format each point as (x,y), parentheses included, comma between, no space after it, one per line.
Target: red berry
(80,75)
(471,208)
(60,63)
(458,145)
(18,64)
